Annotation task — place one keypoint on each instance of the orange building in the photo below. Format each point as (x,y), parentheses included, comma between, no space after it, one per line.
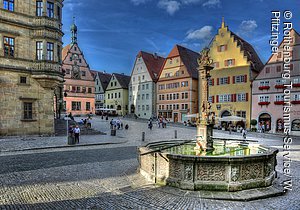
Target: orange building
(177,86)
(79,86)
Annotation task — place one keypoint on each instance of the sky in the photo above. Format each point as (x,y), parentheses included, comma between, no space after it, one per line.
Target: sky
(112,32)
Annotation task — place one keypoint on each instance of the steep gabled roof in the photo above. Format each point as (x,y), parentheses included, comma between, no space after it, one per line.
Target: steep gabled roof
(188,57)
(65,51)
(123,80)
(249,52)
(104,79)
(153,63)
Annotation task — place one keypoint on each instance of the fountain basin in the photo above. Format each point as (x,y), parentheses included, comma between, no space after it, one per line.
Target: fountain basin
(247,167)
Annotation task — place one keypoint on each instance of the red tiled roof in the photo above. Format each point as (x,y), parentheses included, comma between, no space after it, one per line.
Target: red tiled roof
(188,57)
(65,51)
(154,63)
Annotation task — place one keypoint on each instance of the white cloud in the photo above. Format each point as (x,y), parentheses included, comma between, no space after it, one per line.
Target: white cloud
(203,33)
(212,3)
(190,1)
(248,25)
(138,2)
(170,6)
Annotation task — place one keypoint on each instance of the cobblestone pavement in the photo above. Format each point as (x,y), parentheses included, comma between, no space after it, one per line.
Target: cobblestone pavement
(105,176)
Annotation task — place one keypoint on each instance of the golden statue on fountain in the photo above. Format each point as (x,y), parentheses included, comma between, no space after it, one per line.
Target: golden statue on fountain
(205,119)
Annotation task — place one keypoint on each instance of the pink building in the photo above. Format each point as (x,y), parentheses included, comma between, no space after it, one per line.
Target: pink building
(79,86)
(268,98)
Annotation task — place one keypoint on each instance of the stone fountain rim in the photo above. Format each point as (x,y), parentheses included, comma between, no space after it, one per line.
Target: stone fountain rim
(269,152)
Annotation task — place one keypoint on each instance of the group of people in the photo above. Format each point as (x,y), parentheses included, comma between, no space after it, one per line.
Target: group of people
(74,132)
(86,122)
(117,124)
(162,122)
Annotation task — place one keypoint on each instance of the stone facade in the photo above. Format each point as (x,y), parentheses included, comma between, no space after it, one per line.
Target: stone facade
(30,67)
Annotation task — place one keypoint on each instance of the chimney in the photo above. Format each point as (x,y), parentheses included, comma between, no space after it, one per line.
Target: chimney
(155,55)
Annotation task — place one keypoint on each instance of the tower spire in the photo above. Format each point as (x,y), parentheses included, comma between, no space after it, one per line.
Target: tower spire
(74,32)
(223,23)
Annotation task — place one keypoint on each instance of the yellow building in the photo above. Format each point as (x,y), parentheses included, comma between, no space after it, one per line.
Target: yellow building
(236,64)
(116,95)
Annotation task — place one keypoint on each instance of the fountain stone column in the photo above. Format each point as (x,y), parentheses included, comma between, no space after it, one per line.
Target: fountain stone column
(205,120)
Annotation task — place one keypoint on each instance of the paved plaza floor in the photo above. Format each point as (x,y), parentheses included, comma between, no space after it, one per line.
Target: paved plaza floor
(101,172)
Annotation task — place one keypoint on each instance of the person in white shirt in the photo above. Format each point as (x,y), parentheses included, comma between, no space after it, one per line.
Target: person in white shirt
(76,133)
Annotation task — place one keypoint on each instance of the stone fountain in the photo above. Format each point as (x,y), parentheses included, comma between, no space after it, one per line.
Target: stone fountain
(213,164)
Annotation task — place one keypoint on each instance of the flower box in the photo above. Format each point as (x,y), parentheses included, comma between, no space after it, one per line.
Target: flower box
(296,85)
(279,86)
(295,102)
(264,87)
(278,102)
(264,103)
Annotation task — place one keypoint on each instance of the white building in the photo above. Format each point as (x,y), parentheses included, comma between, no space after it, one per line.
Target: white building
(101,82)
(142,86)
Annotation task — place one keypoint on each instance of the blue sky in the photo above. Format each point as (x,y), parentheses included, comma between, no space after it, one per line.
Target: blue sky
(112,32)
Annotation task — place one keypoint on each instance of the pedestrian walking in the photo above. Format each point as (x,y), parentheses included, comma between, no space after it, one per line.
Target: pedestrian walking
(89,123)
(111,124)
(150,125)
(244,133)
(76,133)
(230,128)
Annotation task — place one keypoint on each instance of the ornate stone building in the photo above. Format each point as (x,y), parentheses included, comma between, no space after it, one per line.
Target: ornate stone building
(30,66)
(79,86)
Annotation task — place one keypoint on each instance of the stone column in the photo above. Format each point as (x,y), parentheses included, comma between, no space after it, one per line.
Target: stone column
(204,123)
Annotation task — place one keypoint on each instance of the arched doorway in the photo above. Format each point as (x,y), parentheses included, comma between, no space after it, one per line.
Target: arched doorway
(279,125)
(132,109)
(226,114)
(119,107)
(224,124)
(265,122)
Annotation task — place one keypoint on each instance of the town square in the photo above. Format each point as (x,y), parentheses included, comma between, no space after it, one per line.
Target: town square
(149,104)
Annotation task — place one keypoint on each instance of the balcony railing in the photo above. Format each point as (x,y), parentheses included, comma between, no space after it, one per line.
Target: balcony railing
(44,21)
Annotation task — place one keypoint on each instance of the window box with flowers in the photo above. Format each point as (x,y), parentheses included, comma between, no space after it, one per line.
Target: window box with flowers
(279,86)
(264,103)
(296,85)
(278,102)
(295,102)
(264,87)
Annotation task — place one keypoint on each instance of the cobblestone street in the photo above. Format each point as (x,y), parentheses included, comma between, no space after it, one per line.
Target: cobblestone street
(101,172)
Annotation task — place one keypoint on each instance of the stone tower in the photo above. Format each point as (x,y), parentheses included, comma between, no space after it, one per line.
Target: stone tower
(30,66)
